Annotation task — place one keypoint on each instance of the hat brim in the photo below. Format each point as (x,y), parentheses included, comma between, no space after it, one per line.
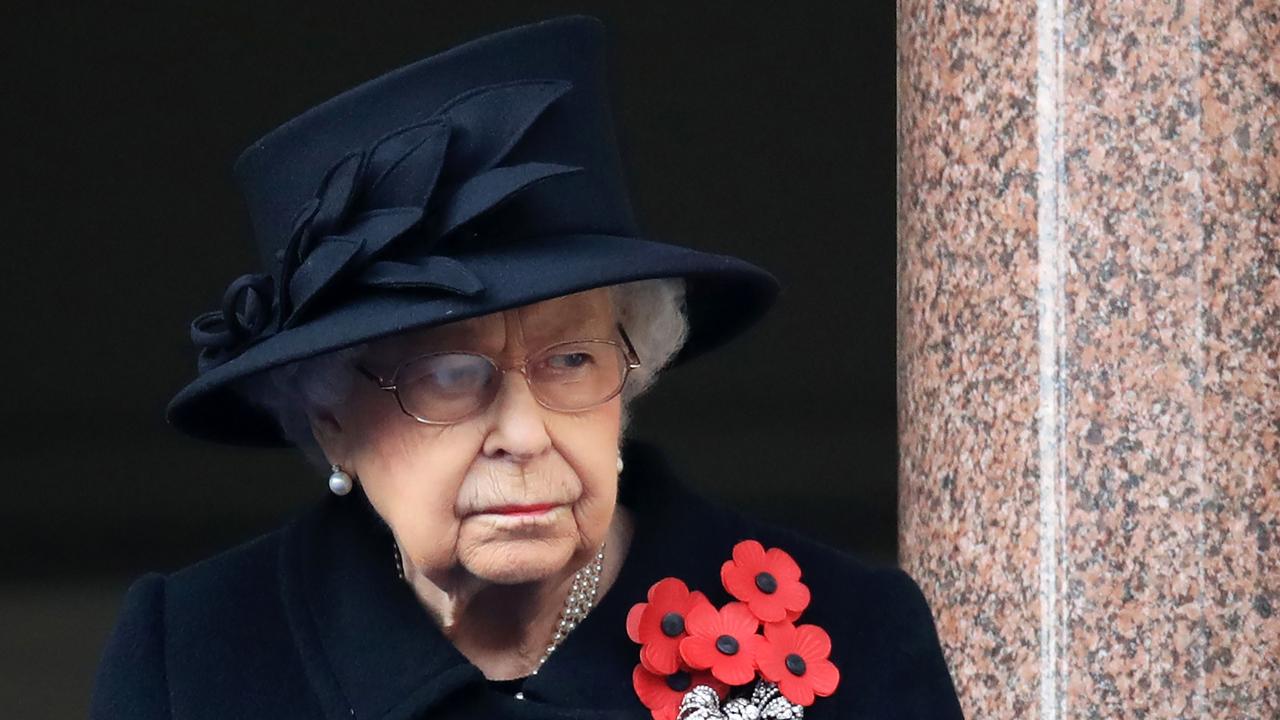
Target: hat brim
(724,296)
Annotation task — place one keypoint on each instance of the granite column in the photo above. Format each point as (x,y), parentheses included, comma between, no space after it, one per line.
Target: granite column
(1088,351)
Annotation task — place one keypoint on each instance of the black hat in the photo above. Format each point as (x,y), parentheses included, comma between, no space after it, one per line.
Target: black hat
(482,178)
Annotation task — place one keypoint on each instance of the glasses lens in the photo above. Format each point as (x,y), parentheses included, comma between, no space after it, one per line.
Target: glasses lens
(577,375)
(446,387)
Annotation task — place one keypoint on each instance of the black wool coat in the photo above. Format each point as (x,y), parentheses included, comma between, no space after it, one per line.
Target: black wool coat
(311,621)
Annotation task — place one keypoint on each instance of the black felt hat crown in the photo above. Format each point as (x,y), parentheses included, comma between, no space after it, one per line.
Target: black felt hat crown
(482,178)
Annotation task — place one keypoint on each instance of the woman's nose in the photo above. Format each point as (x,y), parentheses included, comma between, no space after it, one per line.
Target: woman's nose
(518,426)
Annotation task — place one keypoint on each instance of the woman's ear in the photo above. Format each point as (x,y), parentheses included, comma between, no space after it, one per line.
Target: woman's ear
(328,432)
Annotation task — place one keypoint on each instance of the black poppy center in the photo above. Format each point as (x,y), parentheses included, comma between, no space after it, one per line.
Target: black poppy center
(766,583)
(795,664)
(727,644)
(679,681)
(672,624)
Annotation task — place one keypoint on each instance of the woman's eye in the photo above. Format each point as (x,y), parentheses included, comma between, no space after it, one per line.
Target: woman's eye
(456,378)
(457,374)
(569,361)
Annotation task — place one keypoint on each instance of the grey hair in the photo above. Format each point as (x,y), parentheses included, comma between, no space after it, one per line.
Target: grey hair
(652,311)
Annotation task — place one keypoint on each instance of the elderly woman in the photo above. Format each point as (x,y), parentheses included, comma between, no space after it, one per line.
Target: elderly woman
(455,312)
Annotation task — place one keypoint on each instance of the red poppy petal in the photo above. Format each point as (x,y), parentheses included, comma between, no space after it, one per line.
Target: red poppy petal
(633,621)
(782,565)
(738,620)
(749,553)
(702,619)
(751,646)
(765,653)
(699,652)
(782,635)
(813,642)
(772,665)
(651,689)
(661,656)
(641,682)
(768,608)
(648,629)
(737,669)
(794,596)
(823,676)
(669,592)
(739,582)
(697,599)
(651,621)
(669,712)
(796,690)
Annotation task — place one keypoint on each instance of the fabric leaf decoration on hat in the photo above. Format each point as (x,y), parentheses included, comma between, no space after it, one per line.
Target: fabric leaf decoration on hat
(378,228)
(336,192)
(489,121)
(408,164)
(379,211)
(435,271)
(318,270)
(486,191)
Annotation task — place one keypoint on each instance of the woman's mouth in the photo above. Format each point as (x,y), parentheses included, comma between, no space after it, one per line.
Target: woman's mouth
(523,517)
(521,510)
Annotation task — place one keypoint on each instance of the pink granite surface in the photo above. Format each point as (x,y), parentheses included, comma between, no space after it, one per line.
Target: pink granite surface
(1121,558)
(967,340)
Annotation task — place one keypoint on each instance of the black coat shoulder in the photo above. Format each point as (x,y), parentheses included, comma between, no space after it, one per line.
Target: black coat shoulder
(131,678)
(206,634)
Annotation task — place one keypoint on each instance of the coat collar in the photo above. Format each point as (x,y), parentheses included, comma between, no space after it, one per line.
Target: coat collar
(371,651)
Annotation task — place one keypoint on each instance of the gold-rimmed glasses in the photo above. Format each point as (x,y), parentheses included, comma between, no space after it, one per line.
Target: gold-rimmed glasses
(442,388)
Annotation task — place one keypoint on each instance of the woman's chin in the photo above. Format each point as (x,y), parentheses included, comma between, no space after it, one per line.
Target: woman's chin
(512,562)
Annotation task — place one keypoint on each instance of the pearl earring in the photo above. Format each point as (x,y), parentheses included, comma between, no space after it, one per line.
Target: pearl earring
(339,481)
(619,463)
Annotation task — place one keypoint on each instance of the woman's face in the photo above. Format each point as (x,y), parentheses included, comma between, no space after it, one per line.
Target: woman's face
(446,490)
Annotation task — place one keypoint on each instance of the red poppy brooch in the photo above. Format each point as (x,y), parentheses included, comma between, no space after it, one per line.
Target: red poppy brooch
(745,659)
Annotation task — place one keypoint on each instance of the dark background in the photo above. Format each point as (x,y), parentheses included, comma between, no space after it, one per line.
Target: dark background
(759,129)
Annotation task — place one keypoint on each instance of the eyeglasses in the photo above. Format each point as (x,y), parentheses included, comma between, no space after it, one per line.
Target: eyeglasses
(442,388)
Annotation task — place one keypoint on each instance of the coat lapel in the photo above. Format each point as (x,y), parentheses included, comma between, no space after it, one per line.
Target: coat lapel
(370,649)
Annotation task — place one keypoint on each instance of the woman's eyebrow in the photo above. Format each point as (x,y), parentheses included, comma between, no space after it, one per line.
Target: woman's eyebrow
(553,322)
(443,337)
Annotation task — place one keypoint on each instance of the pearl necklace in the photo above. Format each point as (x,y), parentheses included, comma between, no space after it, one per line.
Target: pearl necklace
(582,596)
